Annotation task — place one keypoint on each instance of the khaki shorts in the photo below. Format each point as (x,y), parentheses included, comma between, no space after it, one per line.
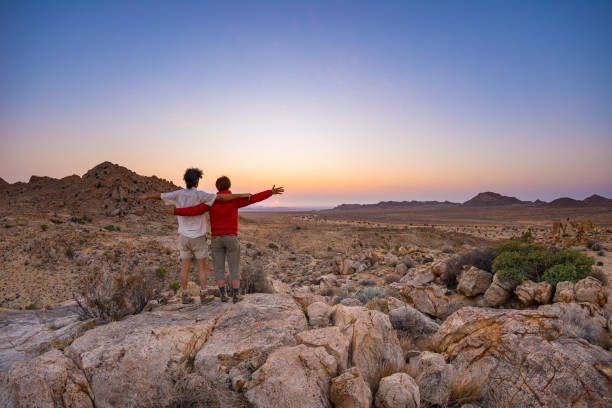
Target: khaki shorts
(189,247)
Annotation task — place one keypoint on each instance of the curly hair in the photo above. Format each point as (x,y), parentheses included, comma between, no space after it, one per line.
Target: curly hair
(223,183)
(192,176)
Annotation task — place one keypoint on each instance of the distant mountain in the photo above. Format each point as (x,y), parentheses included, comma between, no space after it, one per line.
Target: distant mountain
(597,200)
(386,205)
(3,183)
(489,198)
(565,202)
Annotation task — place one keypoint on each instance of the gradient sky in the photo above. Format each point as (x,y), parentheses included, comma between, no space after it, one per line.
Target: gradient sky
(337,101)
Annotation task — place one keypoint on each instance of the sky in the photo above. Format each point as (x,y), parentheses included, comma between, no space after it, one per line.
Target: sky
(339,102)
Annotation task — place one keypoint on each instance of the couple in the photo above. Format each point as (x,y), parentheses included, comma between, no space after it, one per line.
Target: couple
(191,204)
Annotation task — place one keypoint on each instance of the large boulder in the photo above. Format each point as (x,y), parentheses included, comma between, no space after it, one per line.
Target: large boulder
(305,297)
(590,290)
(130,362)
(349,390)
(433,376)
(298,376)
(522,358)
(247,332)
(474,281)
(421,275)
(529,292)
(564,292)
(415,325)
(49,380)
(332,339)
(429,299)
(397,391)
(374,342)
(318,314)
(499,291)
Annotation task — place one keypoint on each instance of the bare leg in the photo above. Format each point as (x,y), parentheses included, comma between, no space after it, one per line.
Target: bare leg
(202,270)
(221,283)
(236,284)
(185,264)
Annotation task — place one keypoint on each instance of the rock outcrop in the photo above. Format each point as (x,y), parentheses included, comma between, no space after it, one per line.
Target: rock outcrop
(318,314)
(298,376)
(529,292)
(433,376)
(397,391)
(332,339)
(499,291)
(564,292)
(474,281)
(520,358)
(374,343)
(590,290)
(429,299)
(349,390)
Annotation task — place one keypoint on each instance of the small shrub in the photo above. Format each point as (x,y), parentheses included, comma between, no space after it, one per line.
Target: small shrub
(44,227)
(379,304)
(293,258)
(110,228)
(69,252)
(272,245)
(77,220)
(367,282)
(56,221)
(297,227)
(111,297)
(30,306)
(329,248)
(562,273)
(601,253)
(174,286)
(160,272)
(396,247)
(328,292)
(596,247)
(511,266)
(600,276)
(466,388)
(599,263)
(392,278)
(370,293)
(480,258)
(87,218)
(255,280)
(526,236)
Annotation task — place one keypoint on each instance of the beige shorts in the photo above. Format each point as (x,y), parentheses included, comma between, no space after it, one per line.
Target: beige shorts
(189,247)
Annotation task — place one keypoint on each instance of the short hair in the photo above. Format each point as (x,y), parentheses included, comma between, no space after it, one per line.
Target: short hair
(192,176)
(223,183)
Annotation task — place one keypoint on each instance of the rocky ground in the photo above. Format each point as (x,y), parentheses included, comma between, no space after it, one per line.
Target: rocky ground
(345,312)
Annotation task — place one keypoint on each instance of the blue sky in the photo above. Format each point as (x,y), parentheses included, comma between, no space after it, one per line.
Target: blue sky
(338,101)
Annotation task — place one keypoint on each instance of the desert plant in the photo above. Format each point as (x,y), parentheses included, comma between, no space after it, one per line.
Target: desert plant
(69,252)
(396,247)
(328,292)
(379,304)
(367,282)
(466,388)
(174,286)
(56,221)
(44,227)
(110,228)
(255,280)
(480,258)
(392,278)
(160,272)
(511,266)
(600,275)
(368,294)
(30,306)
(77,220)
(562,273)
(111,297)
(272,245)
(526,236)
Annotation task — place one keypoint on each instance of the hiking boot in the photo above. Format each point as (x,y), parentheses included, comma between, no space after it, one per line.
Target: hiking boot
(223,297)
(185,298)
(204,298)
(236,298)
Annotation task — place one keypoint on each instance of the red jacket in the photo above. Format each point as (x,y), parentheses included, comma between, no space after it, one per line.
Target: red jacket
(223,214)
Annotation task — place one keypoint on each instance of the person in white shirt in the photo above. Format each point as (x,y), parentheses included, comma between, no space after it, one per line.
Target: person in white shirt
(192,230)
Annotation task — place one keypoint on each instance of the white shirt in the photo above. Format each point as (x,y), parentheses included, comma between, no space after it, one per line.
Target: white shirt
(191,227)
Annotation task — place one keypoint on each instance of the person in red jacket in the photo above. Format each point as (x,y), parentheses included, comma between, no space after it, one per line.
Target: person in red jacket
(224,231)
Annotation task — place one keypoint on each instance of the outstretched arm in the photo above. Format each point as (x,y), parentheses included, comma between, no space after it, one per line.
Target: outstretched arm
(261,196)
(229,197)
(191,211)
(151,197)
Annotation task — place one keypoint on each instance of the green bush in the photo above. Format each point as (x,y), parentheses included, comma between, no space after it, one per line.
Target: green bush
(160,272)
(370,293)
(562,273)
(30,306)
(44,227)
(174,286)
(511,266)
(519,261)
(272,245)
(69,252)
(396,247)
(56,221)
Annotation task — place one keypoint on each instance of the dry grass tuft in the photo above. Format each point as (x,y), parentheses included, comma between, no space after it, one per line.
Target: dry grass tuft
(379,304)
(255,280)
(466,389)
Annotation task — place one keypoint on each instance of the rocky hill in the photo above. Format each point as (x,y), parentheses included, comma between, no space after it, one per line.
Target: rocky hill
(107,189)
(386,205)
(491,199)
